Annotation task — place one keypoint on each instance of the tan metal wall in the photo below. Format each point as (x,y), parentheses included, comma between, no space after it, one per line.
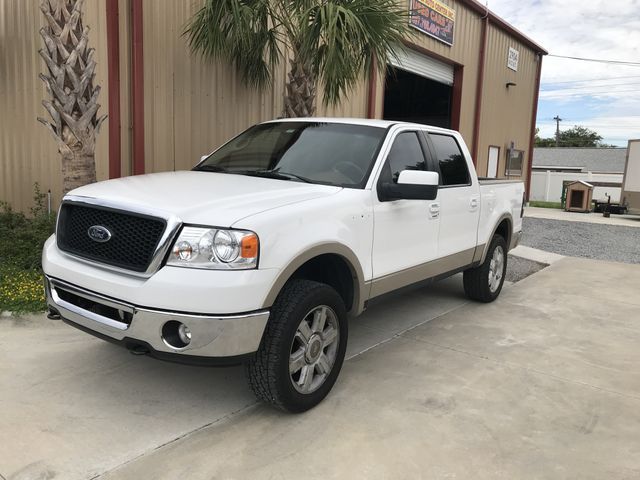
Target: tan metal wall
(192,105)
(506,113)
(28,153)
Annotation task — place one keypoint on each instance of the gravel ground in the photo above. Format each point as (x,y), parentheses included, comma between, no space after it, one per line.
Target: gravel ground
(519,268)
(578,239)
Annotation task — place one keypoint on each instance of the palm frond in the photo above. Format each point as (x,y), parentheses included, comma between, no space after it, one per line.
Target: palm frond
(240,32)
(343,37)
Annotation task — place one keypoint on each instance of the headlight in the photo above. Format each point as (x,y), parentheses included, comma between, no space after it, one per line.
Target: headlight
(216,249)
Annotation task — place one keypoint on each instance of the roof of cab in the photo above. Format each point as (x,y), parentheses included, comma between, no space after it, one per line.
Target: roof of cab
(360,121)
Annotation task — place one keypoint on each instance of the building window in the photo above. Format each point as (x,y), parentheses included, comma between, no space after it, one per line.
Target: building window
(515,159)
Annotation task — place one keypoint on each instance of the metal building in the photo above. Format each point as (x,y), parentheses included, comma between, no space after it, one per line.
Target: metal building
(464,68)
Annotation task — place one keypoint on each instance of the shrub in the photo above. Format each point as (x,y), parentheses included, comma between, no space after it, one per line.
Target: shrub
(22,236)
(21,240)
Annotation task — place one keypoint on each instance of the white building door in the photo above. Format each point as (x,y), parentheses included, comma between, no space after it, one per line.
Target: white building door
(492,168)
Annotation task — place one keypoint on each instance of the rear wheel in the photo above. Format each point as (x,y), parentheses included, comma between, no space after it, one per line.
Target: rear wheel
(484,282)
(302,349)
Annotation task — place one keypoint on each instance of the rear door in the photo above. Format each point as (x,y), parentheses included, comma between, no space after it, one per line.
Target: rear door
(458,198)
(405,231)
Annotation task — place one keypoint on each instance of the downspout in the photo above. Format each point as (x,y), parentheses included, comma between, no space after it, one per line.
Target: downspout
(480,87)
(371,100)
(137,86)
(534,116)
(113,80)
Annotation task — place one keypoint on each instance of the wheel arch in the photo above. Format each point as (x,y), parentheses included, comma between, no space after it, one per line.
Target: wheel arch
(504,227)
(331,263)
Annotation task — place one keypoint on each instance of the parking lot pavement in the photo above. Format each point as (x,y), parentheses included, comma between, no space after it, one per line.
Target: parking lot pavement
(543,383)
(580,239)
(73,407)
(558,214)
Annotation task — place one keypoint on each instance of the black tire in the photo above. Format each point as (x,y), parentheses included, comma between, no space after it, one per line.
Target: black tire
(476,280)
(268,370)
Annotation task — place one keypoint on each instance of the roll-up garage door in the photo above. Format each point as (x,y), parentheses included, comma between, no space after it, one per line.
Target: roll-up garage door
(419,64)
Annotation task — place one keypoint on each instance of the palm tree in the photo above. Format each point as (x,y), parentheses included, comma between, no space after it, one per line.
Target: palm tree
(73,103)
(329,41)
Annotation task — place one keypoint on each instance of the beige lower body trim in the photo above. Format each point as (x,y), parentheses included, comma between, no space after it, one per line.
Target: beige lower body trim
(479,253)
(394,281)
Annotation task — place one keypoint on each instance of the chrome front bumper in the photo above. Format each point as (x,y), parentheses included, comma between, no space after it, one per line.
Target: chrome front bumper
(213,336)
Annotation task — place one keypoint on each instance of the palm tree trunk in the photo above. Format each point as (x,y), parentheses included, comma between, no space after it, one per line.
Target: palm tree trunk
(300,97)
(73,103)
(77,170)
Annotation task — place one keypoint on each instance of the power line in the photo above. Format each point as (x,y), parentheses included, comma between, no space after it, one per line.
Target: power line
(586,93)
(599,60)
(591,80)
(581,87)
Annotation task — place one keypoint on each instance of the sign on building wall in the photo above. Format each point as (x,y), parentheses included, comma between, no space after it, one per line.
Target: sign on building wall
(512,59)
(433,18)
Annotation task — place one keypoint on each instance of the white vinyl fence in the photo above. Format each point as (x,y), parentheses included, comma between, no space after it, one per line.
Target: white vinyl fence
(547,186)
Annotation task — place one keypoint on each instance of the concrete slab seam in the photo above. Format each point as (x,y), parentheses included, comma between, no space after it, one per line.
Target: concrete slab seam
(528,369)
(176,439)
(400,334)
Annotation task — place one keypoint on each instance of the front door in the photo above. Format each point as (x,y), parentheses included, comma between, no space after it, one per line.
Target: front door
(405,231)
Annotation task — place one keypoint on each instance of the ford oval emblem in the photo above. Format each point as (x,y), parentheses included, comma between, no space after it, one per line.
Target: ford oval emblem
(98,233)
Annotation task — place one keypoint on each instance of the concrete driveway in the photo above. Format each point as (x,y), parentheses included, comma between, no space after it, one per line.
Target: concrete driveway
(543,383)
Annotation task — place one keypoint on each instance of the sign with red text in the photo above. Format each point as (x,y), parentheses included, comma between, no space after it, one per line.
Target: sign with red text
(433,18)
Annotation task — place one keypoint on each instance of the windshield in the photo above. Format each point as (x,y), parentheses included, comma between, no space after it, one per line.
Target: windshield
(326,153)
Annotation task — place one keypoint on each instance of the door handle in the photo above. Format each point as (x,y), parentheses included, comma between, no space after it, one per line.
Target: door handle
(473,204)
(434,210)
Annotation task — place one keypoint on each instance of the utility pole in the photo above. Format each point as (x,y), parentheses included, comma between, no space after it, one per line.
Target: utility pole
(558,120)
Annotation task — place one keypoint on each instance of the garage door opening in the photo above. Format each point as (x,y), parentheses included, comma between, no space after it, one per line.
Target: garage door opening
(413,98)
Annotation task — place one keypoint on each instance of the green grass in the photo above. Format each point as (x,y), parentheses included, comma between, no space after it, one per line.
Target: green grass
(545,204)
(21,241)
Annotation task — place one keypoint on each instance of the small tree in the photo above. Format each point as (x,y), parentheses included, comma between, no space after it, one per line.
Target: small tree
(330,41)
(574,137)
(73,103)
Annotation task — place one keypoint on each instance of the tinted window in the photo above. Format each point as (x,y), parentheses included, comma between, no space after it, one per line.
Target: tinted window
(329,153)
(453,166)
(405,154)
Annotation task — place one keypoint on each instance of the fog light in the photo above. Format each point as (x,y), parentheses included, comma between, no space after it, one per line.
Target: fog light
(184,333)
(176,335)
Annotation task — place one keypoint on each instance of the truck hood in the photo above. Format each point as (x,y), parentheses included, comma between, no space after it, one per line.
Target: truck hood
(204,198)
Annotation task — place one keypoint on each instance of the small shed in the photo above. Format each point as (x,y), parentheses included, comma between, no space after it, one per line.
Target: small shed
(579,196)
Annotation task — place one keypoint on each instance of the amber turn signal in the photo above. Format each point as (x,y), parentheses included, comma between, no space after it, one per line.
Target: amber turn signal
(249,246)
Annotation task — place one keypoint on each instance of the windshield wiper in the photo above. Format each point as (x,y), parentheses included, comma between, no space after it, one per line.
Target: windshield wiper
(277,174)
(210,168)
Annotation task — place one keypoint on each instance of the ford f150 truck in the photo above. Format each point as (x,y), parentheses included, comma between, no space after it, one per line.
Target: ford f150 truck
(261,253)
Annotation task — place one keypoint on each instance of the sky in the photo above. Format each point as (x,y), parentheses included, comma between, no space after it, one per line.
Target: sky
(602,97)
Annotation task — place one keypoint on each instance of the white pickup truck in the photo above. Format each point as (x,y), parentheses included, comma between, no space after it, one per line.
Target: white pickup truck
(261,253)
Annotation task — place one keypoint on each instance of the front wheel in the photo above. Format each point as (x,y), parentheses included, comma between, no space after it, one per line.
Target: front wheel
(484,282)
(302,349)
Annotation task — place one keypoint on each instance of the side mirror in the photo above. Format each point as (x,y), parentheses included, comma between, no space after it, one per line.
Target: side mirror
(412,185)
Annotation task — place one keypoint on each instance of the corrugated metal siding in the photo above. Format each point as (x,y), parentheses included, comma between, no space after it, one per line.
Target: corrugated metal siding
(193,105)
(28,153)
(506,113)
